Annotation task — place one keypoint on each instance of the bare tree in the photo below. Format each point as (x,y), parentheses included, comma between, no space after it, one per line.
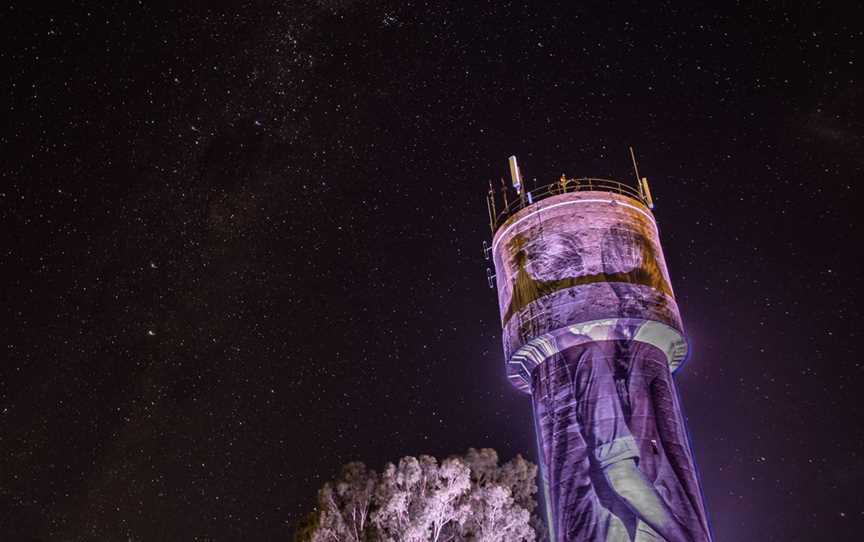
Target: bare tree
(460,499)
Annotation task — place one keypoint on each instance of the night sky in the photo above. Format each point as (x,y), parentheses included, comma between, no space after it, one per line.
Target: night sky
(242,246)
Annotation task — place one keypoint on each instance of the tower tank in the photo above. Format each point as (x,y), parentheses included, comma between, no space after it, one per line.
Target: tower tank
(591,329)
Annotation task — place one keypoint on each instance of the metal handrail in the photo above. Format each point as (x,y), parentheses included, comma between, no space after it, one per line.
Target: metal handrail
(583,184)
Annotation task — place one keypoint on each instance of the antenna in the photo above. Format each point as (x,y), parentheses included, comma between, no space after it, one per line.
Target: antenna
(642,183)
(486,250)
(490,278)
(636,170)
(492,199)
(515,174)
(489,208)
(646,190)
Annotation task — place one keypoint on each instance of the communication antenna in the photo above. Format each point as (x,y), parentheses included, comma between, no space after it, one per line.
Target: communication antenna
(636,170)
(646,191)
(515,174)
(642,182)
(489,205)
(490,278)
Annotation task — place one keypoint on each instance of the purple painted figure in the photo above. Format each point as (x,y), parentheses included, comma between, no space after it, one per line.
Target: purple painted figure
(607,408)
(592,332)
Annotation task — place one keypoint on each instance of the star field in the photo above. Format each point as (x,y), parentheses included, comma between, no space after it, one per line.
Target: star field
(242,246)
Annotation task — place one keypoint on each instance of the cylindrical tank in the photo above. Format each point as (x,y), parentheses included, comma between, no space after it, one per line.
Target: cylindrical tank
(592,331)
(586,259)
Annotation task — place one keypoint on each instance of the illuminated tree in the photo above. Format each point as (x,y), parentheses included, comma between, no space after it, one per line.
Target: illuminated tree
(460,499)
(344,505)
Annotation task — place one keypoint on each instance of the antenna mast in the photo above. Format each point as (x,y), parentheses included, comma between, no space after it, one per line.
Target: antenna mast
(516,175)
(636,170)
(642,183)
(490,205)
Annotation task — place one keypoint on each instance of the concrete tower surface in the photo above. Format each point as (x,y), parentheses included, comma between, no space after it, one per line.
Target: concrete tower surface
(592,332)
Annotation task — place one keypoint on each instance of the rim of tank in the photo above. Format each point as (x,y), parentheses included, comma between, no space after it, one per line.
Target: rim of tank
(565,186)
(669,340)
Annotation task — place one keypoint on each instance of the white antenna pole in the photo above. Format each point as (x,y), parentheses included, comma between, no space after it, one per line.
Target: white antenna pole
(515,174)
(636,171)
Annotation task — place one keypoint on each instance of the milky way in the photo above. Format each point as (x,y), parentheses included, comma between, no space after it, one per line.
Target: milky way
(242,246)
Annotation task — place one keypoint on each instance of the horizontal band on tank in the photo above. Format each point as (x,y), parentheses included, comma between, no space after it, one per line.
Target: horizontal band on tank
(662,336)
(598,301)
(540,208)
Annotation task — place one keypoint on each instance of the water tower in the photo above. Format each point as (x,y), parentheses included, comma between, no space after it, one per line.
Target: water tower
(592,332)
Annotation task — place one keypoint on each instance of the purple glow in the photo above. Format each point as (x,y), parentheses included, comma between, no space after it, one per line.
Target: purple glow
(591,329)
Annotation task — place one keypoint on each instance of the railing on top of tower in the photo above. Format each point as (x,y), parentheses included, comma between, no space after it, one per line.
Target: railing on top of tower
(524,198)
(563,186)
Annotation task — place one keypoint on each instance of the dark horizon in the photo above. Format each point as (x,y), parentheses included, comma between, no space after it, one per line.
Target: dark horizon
(243,247)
